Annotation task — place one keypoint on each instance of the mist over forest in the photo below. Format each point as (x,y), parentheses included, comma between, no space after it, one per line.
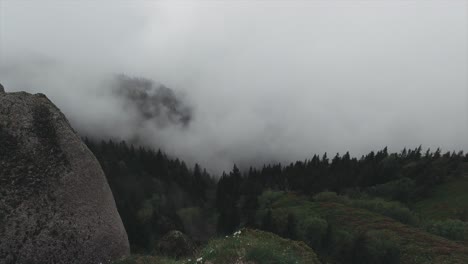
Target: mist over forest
(218,132)
(247,82)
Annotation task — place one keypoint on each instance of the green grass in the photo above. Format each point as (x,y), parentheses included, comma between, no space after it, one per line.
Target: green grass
(416,245)
(253,246)
(249,246)
(449,201)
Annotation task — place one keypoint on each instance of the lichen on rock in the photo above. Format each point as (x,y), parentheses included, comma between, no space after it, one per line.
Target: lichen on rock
(55,203)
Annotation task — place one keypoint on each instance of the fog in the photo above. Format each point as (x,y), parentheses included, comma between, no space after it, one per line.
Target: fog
(265,81)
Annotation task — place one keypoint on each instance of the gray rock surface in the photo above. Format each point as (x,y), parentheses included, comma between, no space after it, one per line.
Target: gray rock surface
(55,203)
(2,90)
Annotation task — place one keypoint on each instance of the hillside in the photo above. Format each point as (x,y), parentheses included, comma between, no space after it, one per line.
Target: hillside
(366,219)
(448,201)
(245,246)
(357,231)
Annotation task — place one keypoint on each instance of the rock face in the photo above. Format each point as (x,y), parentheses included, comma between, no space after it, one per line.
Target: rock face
(175,244)
(55,203)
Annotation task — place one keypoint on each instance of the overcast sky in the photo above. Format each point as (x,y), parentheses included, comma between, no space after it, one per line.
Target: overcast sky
(268,80)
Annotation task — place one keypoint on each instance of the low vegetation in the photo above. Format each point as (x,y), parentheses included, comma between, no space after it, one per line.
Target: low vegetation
(392,209)
(244,246)
(341,233)
(408,207)
(448,201)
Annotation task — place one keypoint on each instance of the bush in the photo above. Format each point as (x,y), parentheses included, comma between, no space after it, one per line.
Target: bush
(313,232)
(330,197)
(291,227)
(450,228)
(462,214)
(401,190)
(198,223)
(268,223)
(376,247)
(263,254)
(340,245)
(393,210)
(268,197)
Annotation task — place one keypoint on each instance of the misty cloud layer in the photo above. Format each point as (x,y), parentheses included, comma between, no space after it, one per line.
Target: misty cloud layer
(254,81)
(153,102)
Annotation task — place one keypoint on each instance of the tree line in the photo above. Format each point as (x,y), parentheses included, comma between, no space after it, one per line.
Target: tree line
(151,189)
(405,176)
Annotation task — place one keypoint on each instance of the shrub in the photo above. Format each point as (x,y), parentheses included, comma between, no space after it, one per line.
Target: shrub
(291,227)
(375,247)
(401,190)
(268,197)
(268,223)
(450,228)
(313,232)
(198,223)
(340,244)
(330,197)
(393,210)
(462,214)
(264,254)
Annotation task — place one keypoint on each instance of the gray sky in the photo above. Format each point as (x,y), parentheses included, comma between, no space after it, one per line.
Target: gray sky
(268,80)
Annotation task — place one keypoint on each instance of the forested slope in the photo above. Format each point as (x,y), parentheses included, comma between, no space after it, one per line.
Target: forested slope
(375,209)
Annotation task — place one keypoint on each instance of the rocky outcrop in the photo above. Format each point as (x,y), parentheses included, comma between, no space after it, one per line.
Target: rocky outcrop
(55,203)
(175,244)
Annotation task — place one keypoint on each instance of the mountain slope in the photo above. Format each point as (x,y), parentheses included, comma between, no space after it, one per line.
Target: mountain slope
(449,200)
(413,244)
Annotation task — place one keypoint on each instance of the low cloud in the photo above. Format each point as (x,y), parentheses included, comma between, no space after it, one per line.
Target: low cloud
(154,102)
(247,82)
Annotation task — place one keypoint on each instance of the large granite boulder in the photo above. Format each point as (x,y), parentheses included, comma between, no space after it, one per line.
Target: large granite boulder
(55,203)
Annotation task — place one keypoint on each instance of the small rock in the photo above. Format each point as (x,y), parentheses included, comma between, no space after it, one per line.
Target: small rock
(175,244)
